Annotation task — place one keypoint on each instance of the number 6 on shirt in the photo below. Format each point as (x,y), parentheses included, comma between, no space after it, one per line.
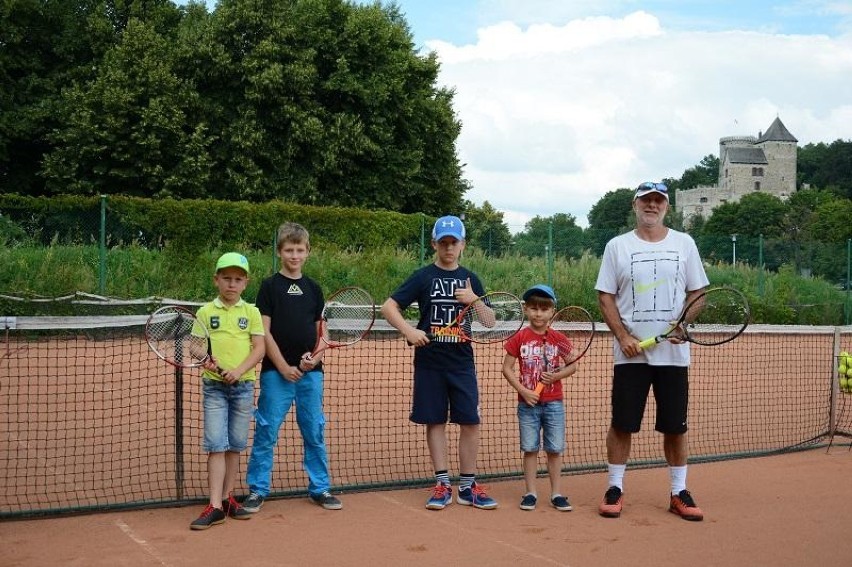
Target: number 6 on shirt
(347,317)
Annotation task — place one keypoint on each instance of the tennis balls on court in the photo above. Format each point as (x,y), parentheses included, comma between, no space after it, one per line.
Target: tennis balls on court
(844,383)
(842,370)
(849,371)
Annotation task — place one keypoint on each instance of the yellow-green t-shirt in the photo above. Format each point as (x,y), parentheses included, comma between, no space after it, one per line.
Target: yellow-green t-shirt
(231,331)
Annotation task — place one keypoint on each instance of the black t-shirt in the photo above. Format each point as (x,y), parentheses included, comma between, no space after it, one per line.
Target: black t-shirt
(433,289)
(294,307)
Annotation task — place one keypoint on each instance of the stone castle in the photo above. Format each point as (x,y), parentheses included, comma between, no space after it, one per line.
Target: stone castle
(747,164)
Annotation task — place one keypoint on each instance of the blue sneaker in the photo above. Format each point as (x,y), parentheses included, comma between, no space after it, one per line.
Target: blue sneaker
(442,495)
(475,496)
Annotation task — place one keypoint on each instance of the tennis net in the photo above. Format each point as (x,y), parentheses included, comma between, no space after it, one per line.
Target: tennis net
(90,419)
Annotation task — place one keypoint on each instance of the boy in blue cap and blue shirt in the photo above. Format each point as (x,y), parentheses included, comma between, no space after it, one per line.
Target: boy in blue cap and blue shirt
(531,359)
(444,369)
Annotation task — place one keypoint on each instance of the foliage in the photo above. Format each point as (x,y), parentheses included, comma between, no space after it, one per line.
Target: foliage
(136,272)
(309,101)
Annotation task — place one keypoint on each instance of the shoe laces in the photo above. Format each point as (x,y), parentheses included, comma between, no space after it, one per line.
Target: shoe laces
(232,503)
(686,498)
(207,511)
(478,489)
(440,490)
(612,495)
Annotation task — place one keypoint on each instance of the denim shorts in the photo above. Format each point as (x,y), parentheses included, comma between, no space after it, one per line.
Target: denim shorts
(546,421)
(227,415)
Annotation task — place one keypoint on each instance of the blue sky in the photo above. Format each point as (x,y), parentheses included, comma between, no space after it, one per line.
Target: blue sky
(562,101)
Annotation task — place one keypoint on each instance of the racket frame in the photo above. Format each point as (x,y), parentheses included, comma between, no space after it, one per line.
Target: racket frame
(587,317)
(683,324)
(486,299)
(323,342)
(184,314)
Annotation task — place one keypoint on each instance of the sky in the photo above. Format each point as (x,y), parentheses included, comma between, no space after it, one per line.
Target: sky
(563,101)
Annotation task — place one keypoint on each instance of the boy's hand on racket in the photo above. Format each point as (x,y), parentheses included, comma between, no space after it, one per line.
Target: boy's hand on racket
(417,337)
(531,397)
(308,362)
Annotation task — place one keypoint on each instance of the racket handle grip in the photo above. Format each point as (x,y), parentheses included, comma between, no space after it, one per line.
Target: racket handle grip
(429,336)
(648,343)
(539,388)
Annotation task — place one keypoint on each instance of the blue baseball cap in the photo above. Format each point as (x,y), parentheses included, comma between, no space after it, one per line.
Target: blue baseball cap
(232,260)
(540,290)
(448,226)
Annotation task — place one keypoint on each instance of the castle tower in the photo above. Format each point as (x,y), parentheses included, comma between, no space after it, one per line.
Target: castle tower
(780,148)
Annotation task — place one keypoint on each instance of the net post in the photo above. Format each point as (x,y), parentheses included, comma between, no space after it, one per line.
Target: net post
(102,248)
(179,461)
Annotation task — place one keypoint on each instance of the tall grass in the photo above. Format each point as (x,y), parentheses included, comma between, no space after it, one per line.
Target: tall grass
(136,272)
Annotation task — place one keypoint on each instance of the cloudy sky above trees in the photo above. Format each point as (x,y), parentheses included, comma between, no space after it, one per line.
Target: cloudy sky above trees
(561,102)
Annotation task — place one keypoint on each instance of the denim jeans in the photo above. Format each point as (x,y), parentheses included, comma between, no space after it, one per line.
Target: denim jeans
(545,420)
(227,415)
(276,397)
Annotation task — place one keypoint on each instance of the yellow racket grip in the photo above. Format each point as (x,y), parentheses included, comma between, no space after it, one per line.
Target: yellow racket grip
(648,343)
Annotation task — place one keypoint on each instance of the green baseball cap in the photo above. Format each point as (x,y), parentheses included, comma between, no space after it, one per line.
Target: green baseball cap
(232,260)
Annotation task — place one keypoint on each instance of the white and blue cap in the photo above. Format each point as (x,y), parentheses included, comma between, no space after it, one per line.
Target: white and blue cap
(448,226)
(540,290)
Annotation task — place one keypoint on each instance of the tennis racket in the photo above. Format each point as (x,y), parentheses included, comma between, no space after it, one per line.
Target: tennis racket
(492,318)
(714,317)
(568,338)
(347,317)
(178,337)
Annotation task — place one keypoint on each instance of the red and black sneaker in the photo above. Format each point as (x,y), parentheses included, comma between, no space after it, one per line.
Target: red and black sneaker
(209,517)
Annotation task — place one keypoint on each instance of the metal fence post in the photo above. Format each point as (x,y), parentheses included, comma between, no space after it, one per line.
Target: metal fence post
(102,249)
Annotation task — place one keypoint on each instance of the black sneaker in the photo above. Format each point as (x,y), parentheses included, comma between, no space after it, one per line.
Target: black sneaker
(209,517)
(326,500)
(252,503)
(233,509)
(561,503)
(528,502)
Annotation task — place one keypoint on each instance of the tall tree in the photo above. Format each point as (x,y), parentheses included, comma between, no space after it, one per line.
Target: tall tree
(486,229)
(131,130)
(561,228)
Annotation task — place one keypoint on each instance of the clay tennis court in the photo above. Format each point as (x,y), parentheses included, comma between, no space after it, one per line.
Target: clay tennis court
(92,428)
(779,511)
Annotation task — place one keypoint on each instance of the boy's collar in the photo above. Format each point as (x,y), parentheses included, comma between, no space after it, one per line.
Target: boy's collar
(218,303)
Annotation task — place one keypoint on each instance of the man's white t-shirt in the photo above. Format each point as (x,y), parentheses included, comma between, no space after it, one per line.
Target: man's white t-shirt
(650,281)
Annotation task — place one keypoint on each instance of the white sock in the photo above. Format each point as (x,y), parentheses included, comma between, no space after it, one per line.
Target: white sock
(678,476)
(616,475)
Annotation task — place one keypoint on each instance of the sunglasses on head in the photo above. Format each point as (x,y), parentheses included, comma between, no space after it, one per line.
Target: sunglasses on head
(653,187)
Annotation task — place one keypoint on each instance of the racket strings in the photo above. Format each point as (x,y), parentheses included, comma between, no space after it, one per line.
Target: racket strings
(722,315)
(170,335)
(348,316)
(504,318)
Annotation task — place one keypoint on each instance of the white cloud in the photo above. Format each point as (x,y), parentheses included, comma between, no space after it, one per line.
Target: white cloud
(553,117)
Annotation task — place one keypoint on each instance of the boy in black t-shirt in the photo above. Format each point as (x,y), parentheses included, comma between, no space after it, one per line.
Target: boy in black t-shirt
(290,305)
(444,369)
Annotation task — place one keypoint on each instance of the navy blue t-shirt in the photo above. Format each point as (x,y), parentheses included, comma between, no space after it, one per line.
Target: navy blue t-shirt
(294,307)
(433,289)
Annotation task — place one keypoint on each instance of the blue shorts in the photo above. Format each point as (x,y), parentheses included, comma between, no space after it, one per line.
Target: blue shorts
(546,421)
(437,392)
(630,386)
(227,415)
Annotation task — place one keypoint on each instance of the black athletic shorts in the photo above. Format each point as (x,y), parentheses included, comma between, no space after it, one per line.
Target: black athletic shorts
(630,386)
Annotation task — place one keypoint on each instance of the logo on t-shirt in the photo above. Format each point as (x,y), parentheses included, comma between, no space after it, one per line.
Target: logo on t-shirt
(294,290)
(214,322)
(243,323)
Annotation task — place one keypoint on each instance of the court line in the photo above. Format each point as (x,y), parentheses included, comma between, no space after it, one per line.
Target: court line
(454,526)
(146,547)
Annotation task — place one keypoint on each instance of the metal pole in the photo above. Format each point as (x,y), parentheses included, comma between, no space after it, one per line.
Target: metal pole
(102,249)
(734,243)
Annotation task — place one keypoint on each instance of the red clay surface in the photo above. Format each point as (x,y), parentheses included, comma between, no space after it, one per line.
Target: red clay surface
(787,510)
